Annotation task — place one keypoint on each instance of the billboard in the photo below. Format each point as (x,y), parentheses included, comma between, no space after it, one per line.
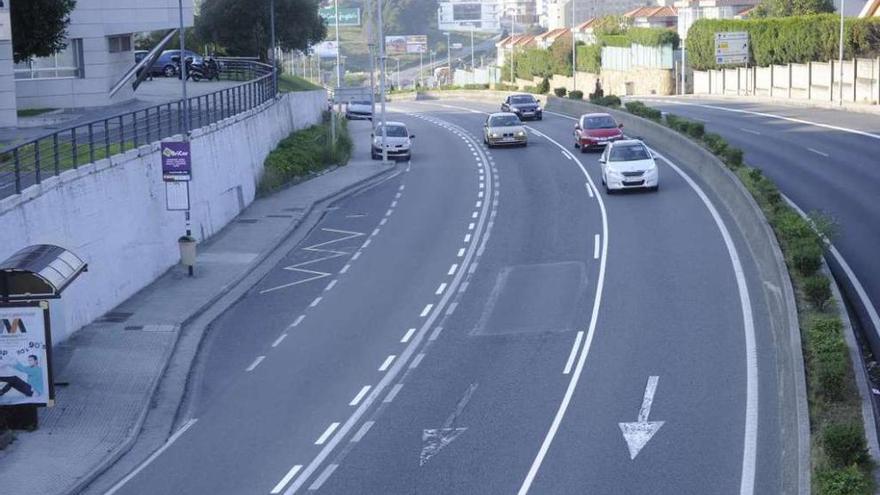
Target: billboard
(25,346)
(467,11)
(326,49)
(347,16)
(399,45)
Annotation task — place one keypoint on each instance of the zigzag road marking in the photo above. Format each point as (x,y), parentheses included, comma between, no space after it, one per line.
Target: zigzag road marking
(317,248)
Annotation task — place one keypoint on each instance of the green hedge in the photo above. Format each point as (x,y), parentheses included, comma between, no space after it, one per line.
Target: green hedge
(653,36)
(606,101)
(589,58)
(784,40)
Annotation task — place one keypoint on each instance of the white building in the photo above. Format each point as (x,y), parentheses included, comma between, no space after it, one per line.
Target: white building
(588,9)
(524,10)
(689,11)
(100,50)
(464,15)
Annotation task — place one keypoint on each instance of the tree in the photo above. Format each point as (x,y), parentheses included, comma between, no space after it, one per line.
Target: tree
(39,27)
(242,26)
(560,55)
(787,8)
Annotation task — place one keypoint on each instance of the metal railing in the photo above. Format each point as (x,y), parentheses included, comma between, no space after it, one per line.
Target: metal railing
(29,163)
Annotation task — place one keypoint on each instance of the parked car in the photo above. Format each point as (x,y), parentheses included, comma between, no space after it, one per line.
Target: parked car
(140,55)
(504,129)
(525,106)
(359,110)
(595,130)
(165,66)
(398,141)
(628,164)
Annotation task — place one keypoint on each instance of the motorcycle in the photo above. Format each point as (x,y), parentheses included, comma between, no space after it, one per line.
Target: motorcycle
(210,68)
(194,71)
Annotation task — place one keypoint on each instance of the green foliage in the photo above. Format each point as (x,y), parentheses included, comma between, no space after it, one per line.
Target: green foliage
(589,58)
(475,86)
(642,110)
(304,152)
(844,444)
(576,94)
(39,27)
(787,8)
(560,92)
(805,254)
(611,24)
(606,101)
(288,83)
(531,89)
(619,40)
(734,159)
(715,143)
(506,87)
(242,26)
(653,37)
(560,56)
(696,130)
(847,481)
(817,290)
(788,39)
(828,358)
(544,87)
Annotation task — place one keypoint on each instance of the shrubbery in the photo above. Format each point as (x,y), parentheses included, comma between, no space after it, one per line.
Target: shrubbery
(544,86)
(844,444)
(576,94)
(847,481)
(606,101)
(642,110)
(560,92)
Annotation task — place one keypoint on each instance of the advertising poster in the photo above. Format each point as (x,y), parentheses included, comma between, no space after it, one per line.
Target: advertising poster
(417,44)
(176,160)
(25,374)
(395,45)
(347,17)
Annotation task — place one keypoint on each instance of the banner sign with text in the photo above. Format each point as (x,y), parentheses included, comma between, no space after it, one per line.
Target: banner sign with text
(25,348)
(176,161)
(347,17)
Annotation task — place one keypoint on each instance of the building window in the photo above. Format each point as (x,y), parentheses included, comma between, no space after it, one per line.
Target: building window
(66,64)
(120,43)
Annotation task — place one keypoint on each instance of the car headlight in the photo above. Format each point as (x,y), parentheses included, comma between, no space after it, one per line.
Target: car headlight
(520,133)
(539,109)
(614,173)
(493,134)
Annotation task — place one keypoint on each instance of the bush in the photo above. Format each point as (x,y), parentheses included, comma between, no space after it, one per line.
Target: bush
(817,290)
(844,444)
(606,101)
(805,254)
(828,357)
(544,87)
(733,157)
(589,58)
(506,87)
(715,143)
(560,92)
(846,481)
(475,86)
(531,89)
(642,110)
(696,130)
(576,95)
(675,122)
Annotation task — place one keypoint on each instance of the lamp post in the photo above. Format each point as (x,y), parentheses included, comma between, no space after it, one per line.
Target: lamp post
(274,48)
(513,46)
(448,58)
(382,82)
(473,58)
(338,66)
(398,72)
(840,62)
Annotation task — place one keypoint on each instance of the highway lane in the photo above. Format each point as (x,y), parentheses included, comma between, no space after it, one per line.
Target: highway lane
(269,403)
(823,160)
(669,311)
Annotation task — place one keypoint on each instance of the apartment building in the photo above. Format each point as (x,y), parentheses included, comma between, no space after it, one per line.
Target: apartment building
(100,50)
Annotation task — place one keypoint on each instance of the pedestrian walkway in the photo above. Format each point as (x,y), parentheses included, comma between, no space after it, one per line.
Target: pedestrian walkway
(107,373)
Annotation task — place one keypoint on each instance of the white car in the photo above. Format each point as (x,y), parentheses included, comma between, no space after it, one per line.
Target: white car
(628,164)
(359,110)
(398,141)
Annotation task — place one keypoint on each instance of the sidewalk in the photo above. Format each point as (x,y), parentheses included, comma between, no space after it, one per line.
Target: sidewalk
(107,374)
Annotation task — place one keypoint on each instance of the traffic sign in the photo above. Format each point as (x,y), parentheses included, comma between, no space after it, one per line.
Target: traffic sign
(357,93)
(732,48)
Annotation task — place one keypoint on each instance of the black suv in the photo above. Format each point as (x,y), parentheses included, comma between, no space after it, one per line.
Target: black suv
(525,106)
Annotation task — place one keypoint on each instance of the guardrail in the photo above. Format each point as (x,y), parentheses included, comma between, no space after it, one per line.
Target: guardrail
(29,163)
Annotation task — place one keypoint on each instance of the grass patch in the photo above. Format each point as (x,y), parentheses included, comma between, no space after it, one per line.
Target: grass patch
(43,155)
(304,153)
(33,112)
(288,83)
(840,463)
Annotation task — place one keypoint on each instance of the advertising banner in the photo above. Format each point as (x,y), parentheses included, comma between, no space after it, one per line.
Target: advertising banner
(347,17)
(395,45)
(25,347)
(417,44)
(326,49)
(176,161)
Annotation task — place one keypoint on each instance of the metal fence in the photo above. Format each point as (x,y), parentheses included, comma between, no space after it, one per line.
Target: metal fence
(29,163)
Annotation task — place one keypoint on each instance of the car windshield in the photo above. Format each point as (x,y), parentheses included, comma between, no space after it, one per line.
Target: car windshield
(504,121)
(628,153)
(599,122)
(522,99)
(367,103)
(392,131)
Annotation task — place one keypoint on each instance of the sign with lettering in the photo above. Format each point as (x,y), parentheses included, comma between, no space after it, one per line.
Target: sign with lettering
(176,161)
(25,352)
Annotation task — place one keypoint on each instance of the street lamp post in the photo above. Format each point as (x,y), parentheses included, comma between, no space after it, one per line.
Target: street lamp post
(338,66)
(272,42)
(382,82)
(473,58)
(840,62)
(448,58)
(574,77)
(398,72)
(513,47)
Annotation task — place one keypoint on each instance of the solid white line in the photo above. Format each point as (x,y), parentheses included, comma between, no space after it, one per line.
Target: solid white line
(596,247)
(574,349)
(286,479)
(440,289)
(461,252)
(408,335)
(279,339)
(393,393)
(362,431)
(585,350)
(360,395)
(417,360)
(298,320)
(115,488)
(315,302)
(589,189)
(329,431)
(756,133)
(467,238)
(321,479)
(330,285)
(255,363)
(821,153)
(565,155)
(387,362)
(426,310)
(750,436)
(345,268)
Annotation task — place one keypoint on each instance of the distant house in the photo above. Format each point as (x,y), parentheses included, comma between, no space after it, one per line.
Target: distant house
(516,42)
(653,17)
(583,32)
(871,9)
(544,40)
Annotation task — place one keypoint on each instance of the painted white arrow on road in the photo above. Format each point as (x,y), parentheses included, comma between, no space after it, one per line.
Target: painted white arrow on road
(639,433)
(433,440)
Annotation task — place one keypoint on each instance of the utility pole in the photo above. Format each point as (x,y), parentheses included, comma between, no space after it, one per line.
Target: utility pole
(398,72)
(274,48)
(840,62)
(473,58)
(338,66)
(421,68)
(448,58)
(382,82)
(574,76)
(513,47)
(185,129)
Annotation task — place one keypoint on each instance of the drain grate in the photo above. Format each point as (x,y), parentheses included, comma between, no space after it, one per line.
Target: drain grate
(248,220)
(280,216)
(115,317)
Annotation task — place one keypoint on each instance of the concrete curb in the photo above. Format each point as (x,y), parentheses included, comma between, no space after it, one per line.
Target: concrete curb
(88,478)
(767,255)
(864,108)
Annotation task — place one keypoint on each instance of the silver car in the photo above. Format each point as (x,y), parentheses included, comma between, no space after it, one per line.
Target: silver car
(398,141)
(504,129)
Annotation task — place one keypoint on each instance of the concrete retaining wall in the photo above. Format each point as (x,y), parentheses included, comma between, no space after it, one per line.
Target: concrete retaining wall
(112,213)
(775,285)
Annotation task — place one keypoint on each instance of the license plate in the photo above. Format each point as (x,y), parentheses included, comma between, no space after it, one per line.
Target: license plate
(508,140)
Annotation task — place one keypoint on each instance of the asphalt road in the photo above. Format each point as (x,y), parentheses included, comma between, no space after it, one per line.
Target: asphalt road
(822,160)
(483,323)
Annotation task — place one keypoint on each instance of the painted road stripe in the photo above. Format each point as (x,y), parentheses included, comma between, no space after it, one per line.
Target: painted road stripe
(408,335)
(286,479)
(574,349)
(435,334)
(330,285)
(360,395)
(460,253)
(565,155)
(475,214)
(324,436)
(596,247)
(316,302)
(279,340)
(440,289)
(356,255)
(451,308)
(324,476)
(375,233)
(452,269)
(417,360)
(821,153)
(750,131)
(389,212)
(394,203)
(589,189)
(387,362)
(383,221)
(467,238)
(366,243)
(298,320)
(362,431)
(471,226)
(427,310)
(393,393)
(345,268)
(255,363)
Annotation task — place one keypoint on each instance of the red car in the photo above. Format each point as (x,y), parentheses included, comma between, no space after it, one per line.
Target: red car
(595,130)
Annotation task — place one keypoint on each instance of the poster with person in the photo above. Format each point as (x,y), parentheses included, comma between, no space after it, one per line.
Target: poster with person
(24,355)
